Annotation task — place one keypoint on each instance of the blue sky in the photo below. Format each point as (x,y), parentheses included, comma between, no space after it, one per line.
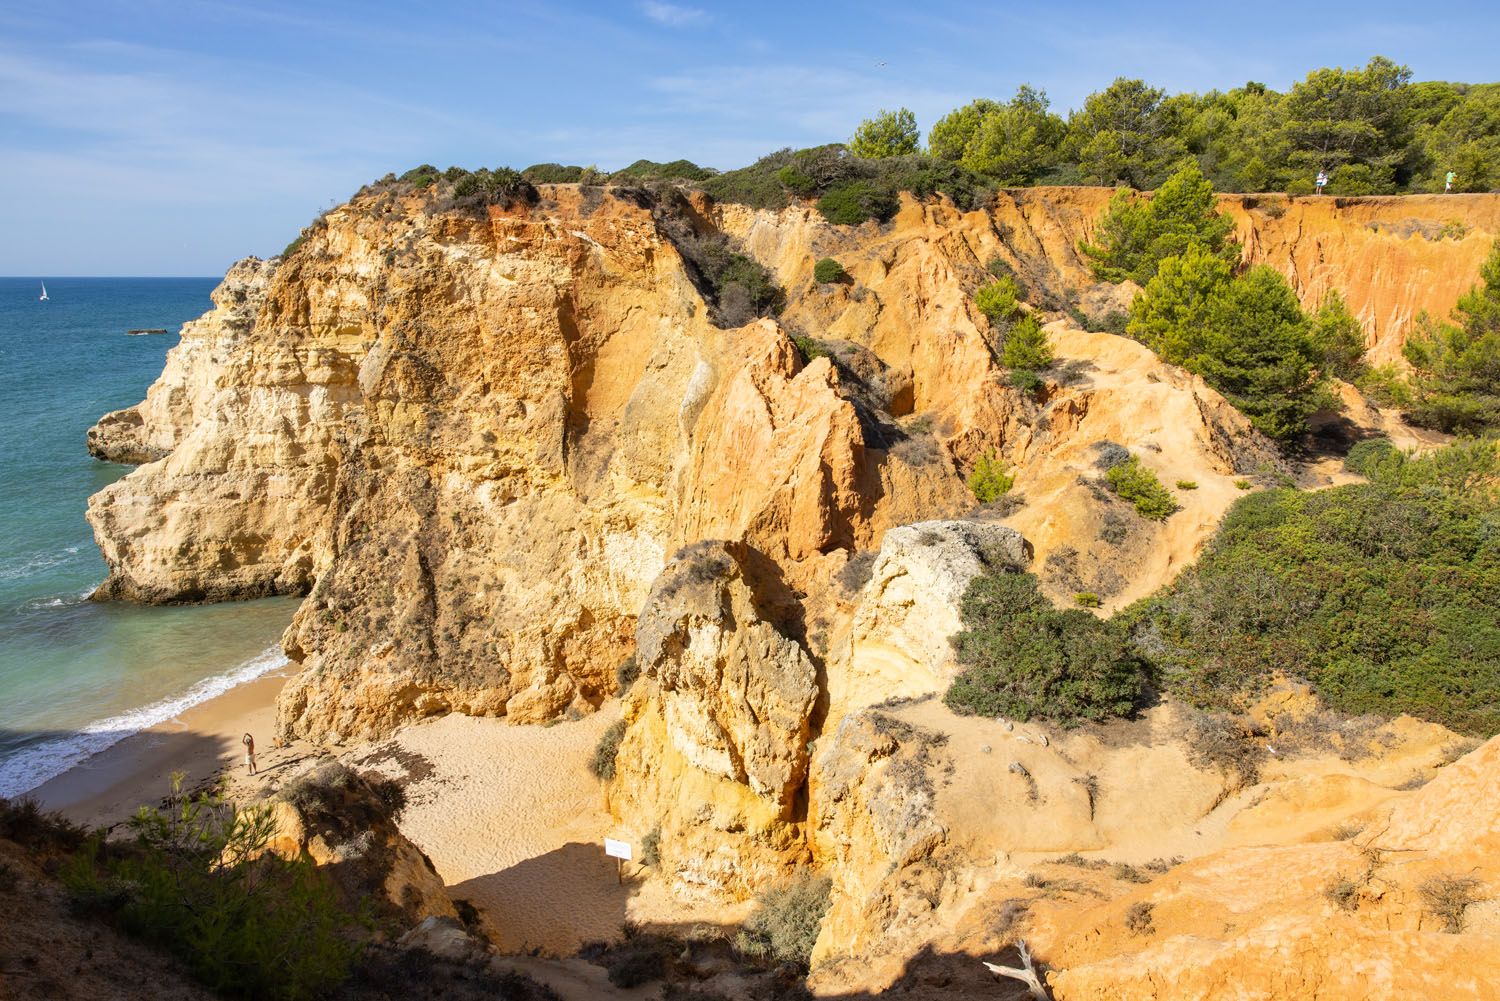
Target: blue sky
(170,138)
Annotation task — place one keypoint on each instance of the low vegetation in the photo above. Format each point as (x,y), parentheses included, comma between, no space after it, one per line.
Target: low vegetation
(605,752)
(1026,347)
(1456,383)
(198,882)
(785,924)
(828,271)
(1381,595)
(1022,658)
(990,479)
(1448,898)
(1136,483)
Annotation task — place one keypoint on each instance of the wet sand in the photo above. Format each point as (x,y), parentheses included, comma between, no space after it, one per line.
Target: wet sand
(108,787)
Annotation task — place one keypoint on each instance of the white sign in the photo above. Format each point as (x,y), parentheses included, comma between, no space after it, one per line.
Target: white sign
(617,849)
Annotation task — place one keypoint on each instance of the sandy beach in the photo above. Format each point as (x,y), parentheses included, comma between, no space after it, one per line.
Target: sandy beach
(108,787)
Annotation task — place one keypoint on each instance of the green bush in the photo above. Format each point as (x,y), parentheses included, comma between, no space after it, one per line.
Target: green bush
(502,186)
(1087,599)
(889,133)
(785,924)
(1026,346)
(809,347)
(1381,595)
(999,300)
(990,481)
(552,173)
(1136,235)
(1024,659)
(828,271)
(1187,484)
(648,170)
(197,882)
(1338,338)
(1375,458)
(1026,380)
(1137,484)
(1457,364)
(853,202)
(603,762)
(1247,336)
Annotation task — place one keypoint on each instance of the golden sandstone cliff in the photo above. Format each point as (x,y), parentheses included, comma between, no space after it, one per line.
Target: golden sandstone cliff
(504,453)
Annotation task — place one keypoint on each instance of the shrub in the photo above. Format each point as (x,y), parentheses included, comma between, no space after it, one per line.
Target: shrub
(889,133)
(1338,338)
(626,673)
(1380,595)
(603,762)
(501,186)
(1448,898)
(1343,893)
(1137,484)
(809,347)
(853,202)
(1457,365)
(785,924)
(989,481)
(1026,346)
(1136,235)
(1138,918)
(999,300)
(1187,484)
(294,246)
(1375,458)
(1243,484)
(1026,380)
(828,271)
(1247,336)
(651,847)
(1024,659)
(198,882)
(552,173)
(737,287)
(1110,454)
(1220,742)
(25,822)
(648,170)
(1087,599)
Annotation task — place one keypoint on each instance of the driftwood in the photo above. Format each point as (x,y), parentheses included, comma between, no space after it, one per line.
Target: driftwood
(1026,973)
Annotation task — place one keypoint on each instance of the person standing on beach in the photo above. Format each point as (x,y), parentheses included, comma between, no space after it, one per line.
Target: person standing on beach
(249,743)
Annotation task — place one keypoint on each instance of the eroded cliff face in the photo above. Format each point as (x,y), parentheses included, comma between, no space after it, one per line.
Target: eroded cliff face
(473,438)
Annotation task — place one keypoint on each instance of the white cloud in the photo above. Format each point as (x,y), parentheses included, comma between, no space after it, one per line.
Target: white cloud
(672,15)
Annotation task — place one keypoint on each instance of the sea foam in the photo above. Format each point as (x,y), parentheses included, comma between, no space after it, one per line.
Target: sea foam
(30,766)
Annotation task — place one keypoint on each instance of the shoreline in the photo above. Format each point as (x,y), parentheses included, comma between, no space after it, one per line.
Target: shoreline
(204,740)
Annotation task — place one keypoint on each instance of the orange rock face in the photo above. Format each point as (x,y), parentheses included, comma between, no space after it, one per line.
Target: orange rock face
(473,440)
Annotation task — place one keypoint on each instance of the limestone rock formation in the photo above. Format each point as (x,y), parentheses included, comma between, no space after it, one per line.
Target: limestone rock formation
(472,437)
(1341,920)
(717,740)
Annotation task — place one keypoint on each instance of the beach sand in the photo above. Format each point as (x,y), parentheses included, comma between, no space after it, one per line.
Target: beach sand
(203,742)
(510,815)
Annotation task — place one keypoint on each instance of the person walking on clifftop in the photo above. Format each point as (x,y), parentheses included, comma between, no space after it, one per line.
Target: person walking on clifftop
(1322,180)
(249,743)
(1448,181)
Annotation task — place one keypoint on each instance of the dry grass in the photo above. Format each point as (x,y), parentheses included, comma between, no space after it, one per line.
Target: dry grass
(1343,893)
(1138,918)
(1345,831)
(1447,898)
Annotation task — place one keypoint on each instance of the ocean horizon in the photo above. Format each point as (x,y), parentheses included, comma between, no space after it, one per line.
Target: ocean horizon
(76,676)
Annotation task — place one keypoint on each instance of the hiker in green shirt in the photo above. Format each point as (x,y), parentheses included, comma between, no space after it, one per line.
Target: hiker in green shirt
(1448,181)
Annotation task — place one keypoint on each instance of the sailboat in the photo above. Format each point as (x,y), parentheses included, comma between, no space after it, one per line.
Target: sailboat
(44,292)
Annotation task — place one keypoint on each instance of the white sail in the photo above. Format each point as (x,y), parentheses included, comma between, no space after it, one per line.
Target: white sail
(44,291)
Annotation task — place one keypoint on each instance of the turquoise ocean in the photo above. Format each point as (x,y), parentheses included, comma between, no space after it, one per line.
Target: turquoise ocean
(77,676)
